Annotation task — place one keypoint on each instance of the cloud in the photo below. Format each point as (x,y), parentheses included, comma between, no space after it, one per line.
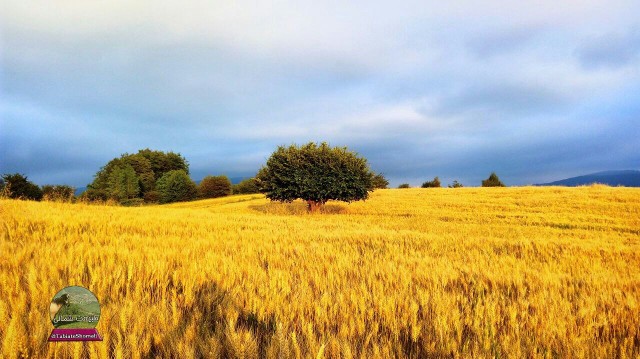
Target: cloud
(421,89)
(610,51)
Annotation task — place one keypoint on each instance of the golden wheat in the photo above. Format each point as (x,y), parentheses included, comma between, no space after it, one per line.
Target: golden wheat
(471,272)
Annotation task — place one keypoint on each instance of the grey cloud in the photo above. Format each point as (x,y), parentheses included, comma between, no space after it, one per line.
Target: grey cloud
(610,51)
(501,41)
(500,100)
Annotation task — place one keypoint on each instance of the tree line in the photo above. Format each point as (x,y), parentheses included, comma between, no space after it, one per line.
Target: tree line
(18,186)
(491,181)
(315,173)
(147,176)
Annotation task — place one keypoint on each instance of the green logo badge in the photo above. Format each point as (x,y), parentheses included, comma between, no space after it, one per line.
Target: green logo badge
(74,312)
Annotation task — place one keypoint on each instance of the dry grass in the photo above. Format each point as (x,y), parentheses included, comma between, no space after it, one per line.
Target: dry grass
(470,272)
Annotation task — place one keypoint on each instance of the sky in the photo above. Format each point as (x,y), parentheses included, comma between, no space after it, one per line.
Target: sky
(534,90)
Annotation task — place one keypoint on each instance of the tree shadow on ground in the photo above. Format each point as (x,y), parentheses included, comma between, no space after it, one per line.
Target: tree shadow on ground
(297,208)
(212,309)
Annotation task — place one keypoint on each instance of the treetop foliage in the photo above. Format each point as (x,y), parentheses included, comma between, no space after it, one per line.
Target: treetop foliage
(18,186)
(214,186)
(432,184)
(134,175)
(380,182)
(176,186)
(246,186)
(492,181)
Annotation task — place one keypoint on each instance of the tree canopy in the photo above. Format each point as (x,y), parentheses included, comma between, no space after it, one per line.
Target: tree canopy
(379,181)
(214,186)
(176,186)
(432,184)
(246,186)
(18,186)
(492,181)
(316,174)
(134,175)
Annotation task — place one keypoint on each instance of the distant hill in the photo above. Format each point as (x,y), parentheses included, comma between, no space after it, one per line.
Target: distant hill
(627,178)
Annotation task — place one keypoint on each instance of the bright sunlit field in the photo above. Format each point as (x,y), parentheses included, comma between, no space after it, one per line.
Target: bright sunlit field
(470,272)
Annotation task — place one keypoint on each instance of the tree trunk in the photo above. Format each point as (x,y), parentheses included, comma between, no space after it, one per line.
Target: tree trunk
(313,206)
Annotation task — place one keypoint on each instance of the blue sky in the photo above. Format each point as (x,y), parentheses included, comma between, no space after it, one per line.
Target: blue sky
(535,91)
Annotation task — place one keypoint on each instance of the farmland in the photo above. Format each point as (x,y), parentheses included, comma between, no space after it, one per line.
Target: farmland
(468,272)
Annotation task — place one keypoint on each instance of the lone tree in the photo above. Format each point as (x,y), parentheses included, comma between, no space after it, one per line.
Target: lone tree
(315,174)
(432,184)
(456,184)
(492,181)
(214,186)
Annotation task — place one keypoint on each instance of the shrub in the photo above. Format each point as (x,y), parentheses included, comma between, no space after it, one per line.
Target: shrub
(404,185)
(247,186)
(132,202)
(152,197)
(379,181)
(92,194)
(432,184)
(455,184)
(214,186)
(58,193)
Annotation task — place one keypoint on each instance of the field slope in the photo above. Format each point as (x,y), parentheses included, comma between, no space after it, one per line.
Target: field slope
(470,272)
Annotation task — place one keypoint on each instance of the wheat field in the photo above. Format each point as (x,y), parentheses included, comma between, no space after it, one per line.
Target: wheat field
(444,273)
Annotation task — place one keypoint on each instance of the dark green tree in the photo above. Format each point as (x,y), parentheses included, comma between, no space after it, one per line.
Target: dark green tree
(379,181)
(142,166)
(432,184)
(455,184)
(246,186)
(123,183)
(316,174)
(18,186)
(176,186)
(99,188)
(404,185)
(492,181)
(162,162)
(214,186)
